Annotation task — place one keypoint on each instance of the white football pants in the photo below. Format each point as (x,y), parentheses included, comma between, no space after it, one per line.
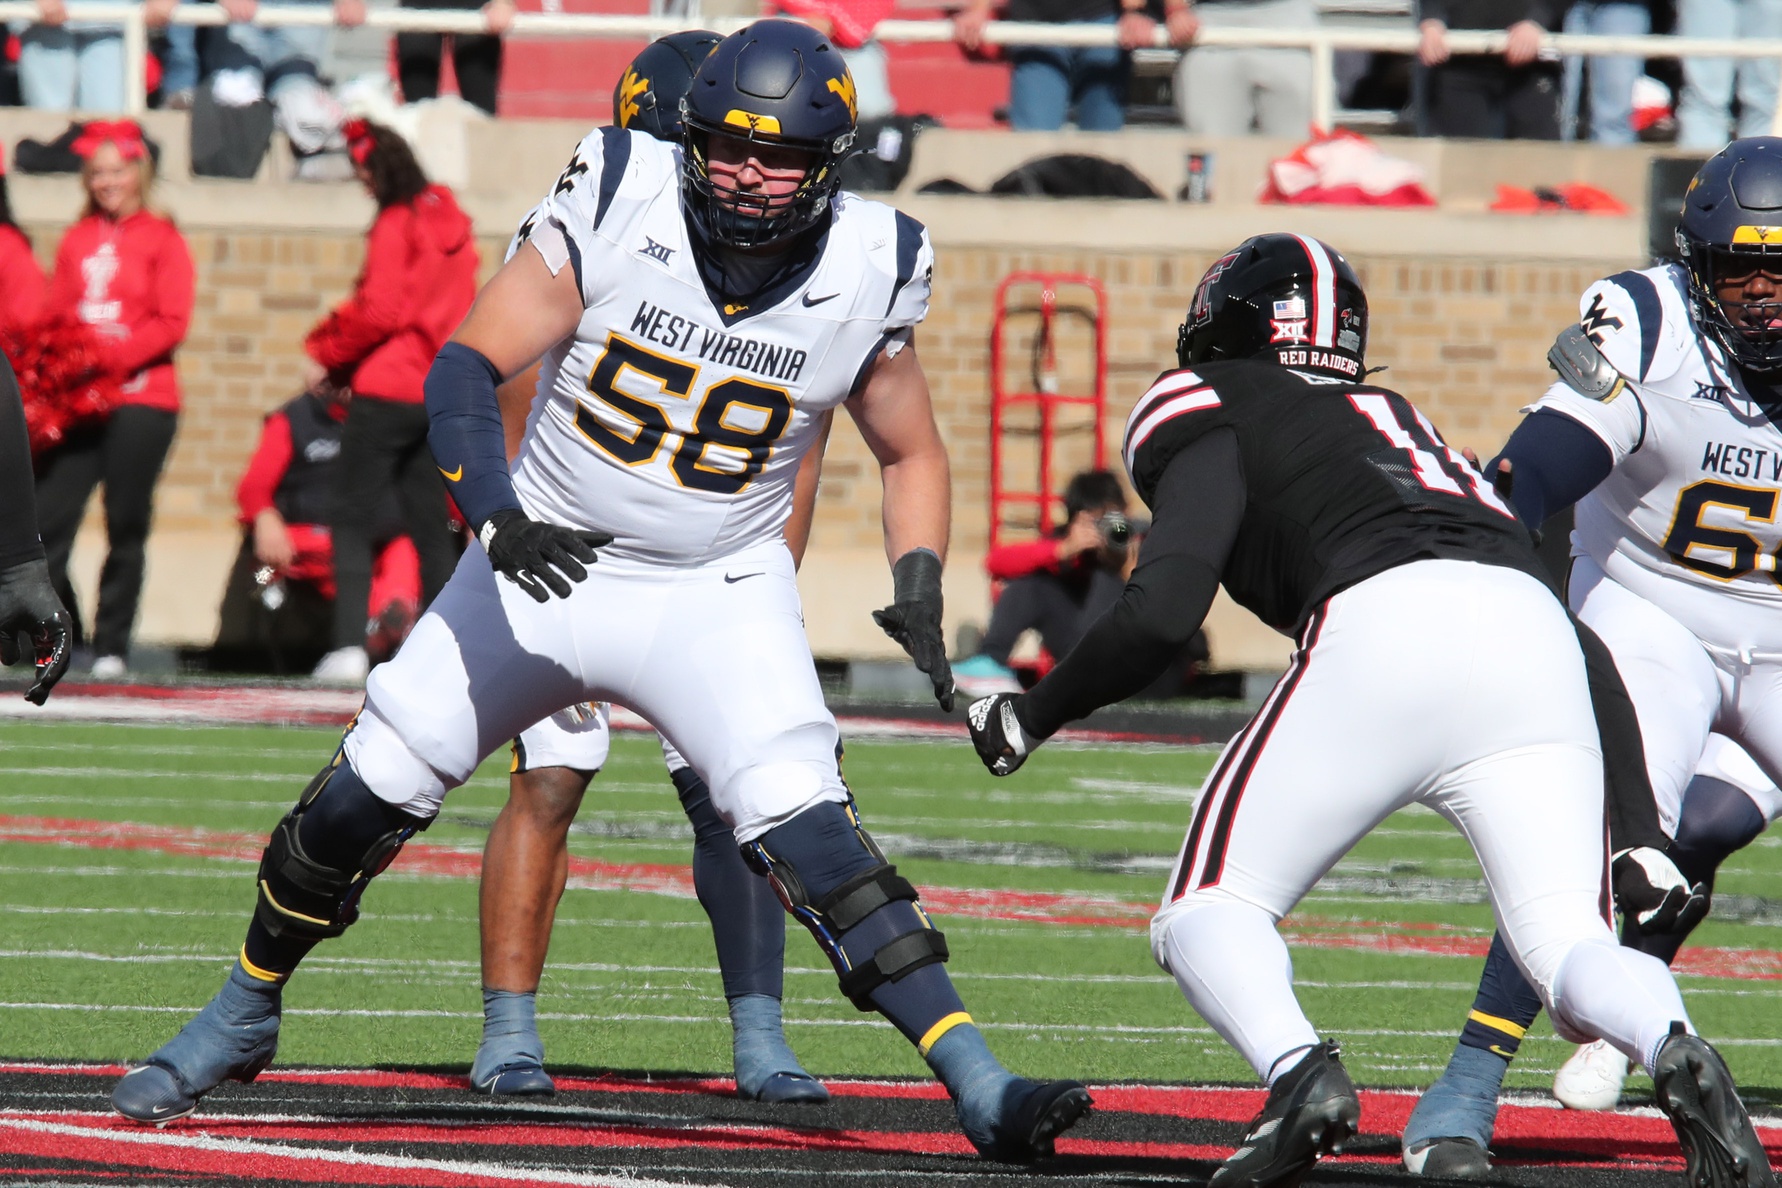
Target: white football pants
(1682,688)
(713,654)
(578,737)
(1452,684)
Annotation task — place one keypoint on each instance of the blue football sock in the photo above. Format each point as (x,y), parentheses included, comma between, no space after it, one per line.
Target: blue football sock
(1463,1102)
(760,1053)
(976,1079)
(510,1033)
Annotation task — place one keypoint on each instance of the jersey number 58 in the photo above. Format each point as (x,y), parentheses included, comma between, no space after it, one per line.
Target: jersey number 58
(734,427)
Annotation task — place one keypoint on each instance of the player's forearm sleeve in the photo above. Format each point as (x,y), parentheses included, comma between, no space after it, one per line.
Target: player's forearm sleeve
(1199,503)
(1627,788)
(464,429)
(19,541)
(1554,462)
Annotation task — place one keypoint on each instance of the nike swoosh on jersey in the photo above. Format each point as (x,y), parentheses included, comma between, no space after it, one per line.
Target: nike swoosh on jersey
(452,476)
(810,301)
(731,581)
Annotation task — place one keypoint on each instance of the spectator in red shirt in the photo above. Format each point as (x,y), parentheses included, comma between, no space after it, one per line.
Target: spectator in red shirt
(124,271)
(280,598)
(1057,585)
(22,292)
(417,284)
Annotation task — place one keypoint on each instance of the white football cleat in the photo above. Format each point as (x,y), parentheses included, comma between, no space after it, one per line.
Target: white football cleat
(1591,1079)
(343,666)
(110,668)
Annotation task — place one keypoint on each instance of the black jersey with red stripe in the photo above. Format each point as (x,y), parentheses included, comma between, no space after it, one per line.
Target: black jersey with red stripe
(1341,481)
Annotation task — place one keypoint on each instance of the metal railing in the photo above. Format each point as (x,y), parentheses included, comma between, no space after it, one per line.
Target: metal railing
(1322,43)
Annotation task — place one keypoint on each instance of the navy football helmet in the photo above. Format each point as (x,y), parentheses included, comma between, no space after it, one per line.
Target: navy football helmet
(1289,297)
(1731,227)
(777,82)
(648,97)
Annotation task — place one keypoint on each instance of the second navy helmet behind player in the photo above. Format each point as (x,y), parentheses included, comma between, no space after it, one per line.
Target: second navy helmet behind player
(1289,297)
(648,97)
(1731,227)
(775,82)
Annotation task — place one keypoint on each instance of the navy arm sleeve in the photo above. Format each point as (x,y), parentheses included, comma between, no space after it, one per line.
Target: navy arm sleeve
(19,541)
(1554,462)
(464,431)
(1199,503)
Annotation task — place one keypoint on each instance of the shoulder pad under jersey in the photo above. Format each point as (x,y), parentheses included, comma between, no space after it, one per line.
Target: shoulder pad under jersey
(1640,323)
(1583,368)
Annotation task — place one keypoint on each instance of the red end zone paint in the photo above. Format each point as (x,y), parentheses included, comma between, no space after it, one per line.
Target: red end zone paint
(1035,907)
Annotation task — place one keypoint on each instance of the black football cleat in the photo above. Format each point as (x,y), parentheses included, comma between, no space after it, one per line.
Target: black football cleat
(1310,1113)
(1448,1159)
(1034,1114)
(1694,1088)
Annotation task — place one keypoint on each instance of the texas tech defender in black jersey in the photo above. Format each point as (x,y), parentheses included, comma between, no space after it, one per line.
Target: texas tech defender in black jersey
(1434,666)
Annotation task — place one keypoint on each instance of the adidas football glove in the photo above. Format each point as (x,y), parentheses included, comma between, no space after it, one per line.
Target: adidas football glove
(1652,892)
(914,619)
(537,557)
(997,733)
(33,623)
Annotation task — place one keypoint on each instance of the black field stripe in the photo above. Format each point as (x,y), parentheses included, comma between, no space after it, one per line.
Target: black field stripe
(1228,811)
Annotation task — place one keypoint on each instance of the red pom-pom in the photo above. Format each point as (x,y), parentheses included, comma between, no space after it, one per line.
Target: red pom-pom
(62,378)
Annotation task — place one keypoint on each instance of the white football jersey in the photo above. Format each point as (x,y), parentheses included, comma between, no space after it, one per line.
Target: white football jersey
(1688,518)
(674,419)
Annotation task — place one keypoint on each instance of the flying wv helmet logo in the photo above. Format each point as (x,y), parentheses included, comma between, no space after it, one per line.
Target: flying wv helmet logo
(844,86)
(1597,318)
(631,89)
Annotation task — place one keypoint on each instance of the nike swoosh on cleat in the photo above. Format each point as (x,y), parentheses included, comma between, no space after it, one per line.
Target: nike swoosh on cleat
(810,301)
(453,476)
(729,580)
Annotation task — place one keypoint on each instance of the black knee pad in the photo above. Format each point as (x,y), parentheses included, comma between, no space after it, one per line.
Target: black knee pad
(317,896)
(831,910)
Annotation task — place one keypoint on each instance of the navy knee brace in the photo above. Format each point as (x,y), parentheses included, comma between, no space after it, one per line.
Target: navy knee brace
(324,852)
(830,874)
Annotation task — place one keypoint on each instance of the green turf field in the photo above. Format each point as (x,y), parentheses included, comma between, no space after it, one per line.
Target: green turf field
(107,949)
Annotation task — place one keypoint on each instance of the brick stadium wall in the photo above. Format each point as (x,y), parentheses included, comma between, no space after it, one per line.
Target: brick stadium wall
(1465,339)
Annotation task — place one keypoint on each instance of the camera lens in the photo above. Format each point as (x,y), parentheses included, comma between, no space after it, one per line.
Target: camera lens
(1115,528)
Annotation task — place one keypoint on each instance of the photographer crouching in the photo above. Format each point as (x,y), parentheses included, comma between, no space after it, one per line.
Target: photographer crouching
(1057,585)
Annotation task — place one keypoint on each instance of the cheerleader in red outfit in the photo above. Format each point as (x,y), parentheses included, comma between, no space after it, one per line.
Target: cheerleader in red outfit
(123,271)
(22,291)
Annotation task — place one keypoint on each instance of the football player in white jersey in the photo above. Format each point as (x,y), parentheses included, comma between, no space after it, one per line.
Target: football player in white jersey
(525,861)
(697,309)
(1661,430)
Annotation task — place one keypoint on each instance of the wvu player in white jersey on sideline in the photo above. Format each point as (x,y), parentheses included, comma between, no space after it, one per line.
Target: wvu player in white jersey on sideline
(525,861)
(698,309)
(1662,431)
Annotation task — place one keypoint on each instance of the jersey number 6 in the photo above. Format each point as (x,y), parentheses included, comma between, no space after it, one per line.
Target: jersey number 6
(734,427)
(1744,552)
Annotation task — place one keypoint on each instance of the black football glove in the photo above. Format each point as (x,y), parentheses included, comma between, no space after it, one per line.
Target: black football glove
(998,735)
(914,619)
(537,557)
(1654,894)
(34,624)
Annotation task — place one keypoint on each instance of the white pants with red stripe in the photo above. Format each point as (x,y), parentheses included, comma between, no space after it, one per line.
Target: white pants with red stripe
(1451,684)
